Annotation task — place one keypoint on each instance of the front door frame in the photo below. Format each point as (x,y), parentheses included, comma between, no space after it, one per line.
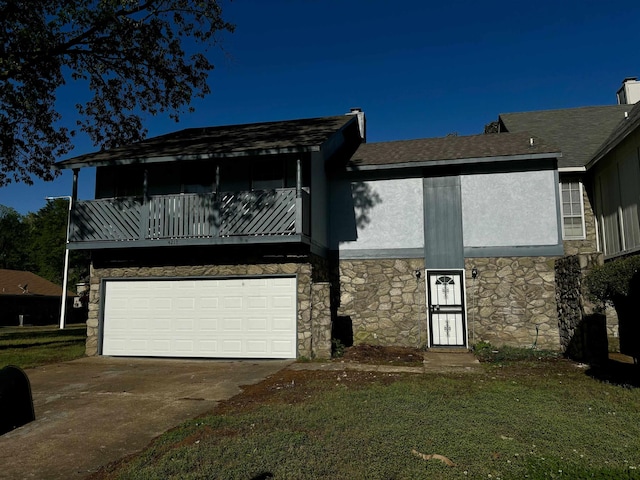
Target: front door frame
(454,309)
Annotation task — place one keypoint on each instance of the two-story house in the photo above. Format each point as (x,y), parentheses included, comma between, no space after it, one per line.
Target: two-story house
(255,240)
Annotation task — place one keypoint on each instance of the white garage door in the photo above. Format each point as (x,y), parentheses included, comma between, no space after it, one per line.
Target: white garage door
(232,318)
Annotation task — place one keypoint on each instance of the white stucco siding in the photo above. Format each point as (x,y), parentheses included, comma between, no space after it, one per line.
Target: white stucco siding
(510,209)
(377,215)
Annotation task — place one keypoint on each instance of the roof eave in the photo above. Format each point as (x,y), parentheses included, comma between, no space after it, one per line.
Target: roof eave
(70,164)
(572,169)
(607,147)
(454,162)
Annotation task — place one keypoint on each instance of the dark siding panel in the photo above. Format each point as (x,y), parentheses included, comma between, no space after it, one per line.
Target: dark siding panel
(443,223)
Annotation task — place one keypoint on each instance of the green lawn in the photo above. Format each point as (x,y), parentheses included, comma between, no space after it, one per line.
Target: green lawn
(28,347)
(545,419)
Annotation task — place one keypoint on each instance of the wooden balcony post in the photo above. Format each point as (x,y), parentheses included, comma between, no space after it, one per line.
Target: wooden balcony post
(298,178)
(216,186)
(144,209)
(74,190)
(145,185)
(72,203)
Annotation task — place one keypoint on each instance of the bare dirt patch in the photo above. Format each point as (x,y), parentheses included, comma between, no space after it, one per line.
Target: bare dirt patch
(378,355)
(295,386)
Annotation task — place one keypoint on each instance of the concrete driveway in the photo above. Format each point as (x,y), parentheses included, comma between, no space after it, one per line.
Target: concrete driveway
(92,411)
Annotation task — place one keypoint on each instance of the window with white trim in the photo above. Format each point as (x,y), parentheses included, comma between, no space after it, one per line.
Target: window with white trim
(572,210)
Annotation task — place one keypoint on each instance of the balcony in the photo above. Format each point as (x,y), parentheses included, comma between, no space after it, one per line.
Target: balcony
(265,216)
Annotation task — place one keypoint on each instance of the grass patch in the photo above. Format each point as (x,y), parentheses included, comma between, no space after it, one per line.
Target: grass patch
(508,422)
(28,347)
(489,354)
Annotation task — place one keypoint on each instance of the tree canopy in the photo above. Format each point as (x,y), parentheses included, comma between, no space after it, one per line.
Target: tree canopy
(135,57)
(13,237)
(36,242)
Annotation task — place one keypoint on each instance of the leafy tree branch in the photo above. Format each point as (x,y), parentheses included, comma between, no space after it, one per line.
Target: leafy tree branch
(134,57)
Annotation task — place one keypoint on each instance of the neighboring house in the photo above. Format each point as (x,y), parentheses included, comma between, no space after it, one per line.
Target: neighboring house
(614,171)
(599,172)
(25,294)
(599,179)
(252,240)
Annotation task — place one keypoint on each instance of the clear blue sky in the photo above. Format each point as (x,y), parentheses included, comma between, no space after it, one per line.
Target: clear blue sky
(418,68)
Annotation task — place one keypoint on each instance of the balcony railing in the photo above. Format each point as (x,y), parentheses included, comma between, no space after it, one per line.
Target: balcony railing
(264,213)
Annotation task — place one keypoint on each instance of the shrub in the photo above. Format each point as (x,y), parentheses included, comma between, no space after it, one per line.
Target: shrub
(337,348)
(613,281)
(618,283)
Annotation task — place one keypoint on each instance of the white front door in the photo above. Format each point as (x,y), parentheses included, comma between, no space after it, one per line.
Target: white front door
(446,308)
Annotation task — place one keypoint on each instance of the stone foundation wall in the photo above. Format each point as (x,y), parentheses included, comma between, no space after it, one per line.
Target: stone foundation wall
(321,319)
(312,342)
(512,302)
(385,301)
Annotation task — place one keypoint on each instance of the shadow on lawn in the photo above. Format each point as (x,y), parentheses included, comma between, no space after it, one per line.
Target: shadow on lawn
(617,373)
(34,334)
(263,476)
(22,346)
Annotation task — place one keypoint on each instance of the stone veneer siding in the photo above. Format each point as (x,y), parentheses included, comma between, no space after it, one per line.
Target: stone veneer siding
(385,301)
(583,330)
(314,327)
(510,298)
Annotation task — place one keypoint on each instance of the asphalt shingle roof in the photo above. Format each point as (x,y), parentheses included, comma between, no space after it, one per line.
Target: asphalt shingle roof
(623,129)
(247,139)
(449,148)
(579,132)
(18,282)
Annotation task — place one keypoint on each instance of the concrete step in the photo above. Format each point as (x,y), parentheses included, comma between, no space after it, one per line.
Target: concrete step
(444,361)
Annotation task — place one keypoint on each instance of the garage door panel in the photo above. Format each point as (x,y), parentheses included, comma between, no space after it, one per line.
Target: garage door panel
(208,346)
(257,325)
(254,302)
(284,302)
(184,346)
(232,324)
(232,347)
(184,324)
(160,345)
(209,303)
(208,325)
(257,346)
(281,346)
(253,318)
(280,324)
(232,303)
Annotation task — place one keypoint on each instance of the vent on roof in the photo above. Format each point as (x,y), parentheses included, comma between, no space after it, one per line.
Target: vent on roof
(629,92)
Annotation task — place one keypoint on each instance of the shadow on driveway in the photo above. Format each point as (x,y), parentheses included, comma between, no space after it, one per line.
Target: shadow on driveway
(92,411)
